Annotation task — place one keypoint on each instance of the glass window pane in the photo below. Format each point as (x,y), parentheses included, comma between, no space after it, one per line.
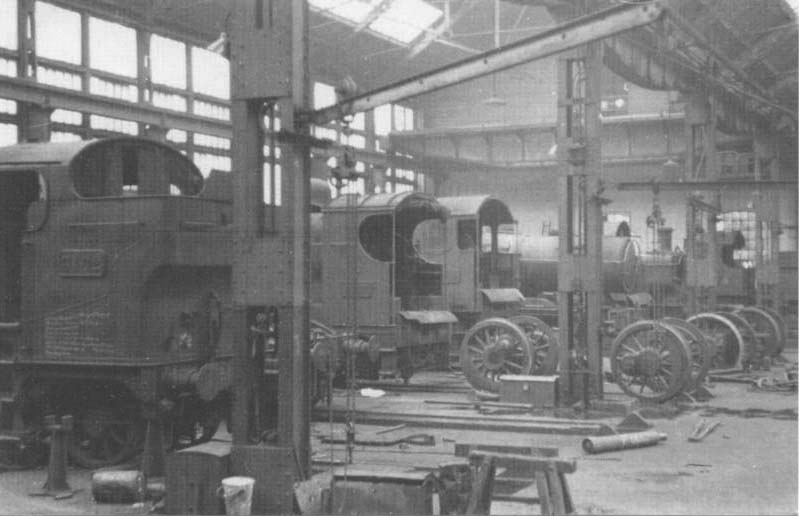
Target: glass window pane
(210,73)
(112,47)
(383,120)
(57,33)
(8,134)
(168,61)
(323,95)
(8,106)
(404,20)
(8,24)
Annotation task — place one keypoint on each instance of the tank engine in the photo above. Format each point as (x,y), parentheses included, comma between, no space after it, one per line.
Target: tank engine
(114,288)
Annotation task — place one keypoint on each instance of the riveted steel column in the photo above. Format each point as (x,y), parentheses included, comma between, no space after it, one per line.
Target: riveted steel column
(580,225)
(269,72)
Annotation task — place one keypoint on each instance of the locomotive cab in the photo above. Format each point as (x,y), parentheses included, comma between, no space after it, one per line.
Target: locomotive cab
(482,260)
(375,276)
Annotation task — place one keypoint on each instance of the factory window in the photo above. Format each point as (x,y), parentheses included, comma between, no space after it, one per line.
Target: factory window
(355,140)
(383,120)
(358,122)
(405,20)
(58,33)
(616,222)
(401,21)
(176,136)
(62,136)
(60,78)
(403,118)
(207,162)
(323,95)
(213,142)
(325,133)
(357,186)
(210,73)
(8,24)
(8,67)
(211,110)
(354,11)
(736,232)
(112,47)
(168,61)
(113,89)
(8,107)
(64,116)
(273,196)
(169,101)
(467,229)
(8,134)
(113,124)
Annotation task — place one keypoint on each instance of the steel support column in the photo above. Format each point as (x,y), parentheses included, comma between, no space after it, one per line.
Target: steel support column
(701,164)
(580,225)
(271,412)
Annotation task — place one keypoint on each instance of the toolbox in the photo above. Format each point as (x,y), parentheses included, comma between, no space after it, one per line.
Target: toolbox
(539,391)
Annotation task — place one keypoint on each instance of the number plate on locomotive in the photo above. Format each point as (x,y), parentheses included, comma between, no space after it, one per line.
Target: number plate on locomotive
(81,263)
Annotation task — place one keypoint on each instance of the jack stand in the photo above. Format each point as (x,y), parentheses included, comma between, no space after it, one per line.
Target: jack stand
(153,459)
(56,484)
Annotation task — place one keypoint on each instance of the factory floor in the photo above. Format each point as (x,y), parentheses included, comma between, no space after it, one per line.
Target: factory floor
(748,465)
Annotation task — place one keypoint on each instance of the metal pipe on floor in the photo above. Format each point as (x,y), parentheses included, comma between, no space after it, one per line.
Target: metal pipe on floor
(622,441)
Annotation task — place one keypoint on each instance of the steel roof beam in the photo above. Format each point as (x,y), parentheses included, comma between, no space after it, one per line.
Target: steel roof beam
(564,37)
(27,90)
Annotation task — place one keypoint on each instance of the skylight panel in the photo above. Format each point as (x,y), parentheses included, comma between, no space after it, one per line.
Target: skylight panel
(405,20)
(353,11)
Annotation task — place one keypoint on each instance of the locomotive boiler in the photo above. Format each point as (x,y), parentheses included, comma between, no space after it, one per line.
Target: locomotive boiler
(621,265)
(114,290)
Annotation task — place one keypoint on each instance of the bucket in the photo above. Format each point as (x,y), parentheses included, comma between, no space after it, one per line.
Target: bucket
(237,492)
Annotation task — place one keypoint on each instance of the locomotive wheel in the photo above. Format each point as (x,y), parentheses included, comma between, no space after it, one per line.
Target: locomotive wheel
(494,347)
(781,324)
(753,349)
(650,361)
(543,341)
(104,436)
(701,356)
(763,323)
(727,346)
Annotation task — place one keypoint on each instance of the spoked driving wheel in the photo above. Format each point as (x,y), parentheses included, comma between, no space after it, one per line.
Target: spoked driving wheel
(494,347)
(766,326)
(701,356)
(781,325)
(650,361)
(543,341)
(104,436)
(726,343)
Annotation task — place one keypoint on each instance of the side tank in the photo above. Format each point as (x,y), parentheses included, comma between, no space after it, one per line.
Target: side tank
(621,265)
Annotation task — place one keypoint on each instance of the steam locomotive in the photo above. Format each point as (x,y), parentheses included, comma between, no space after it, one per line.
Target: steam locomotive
(114,286)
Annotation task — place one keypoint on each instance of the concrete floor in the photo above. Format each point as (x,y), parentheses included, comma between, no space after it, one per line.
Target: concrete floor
(747,466)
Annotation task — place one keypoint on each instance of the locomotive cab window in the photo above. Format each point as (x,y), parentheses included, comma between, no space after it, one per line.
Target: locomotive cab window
(117,169)
(467,230)
(375,235)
